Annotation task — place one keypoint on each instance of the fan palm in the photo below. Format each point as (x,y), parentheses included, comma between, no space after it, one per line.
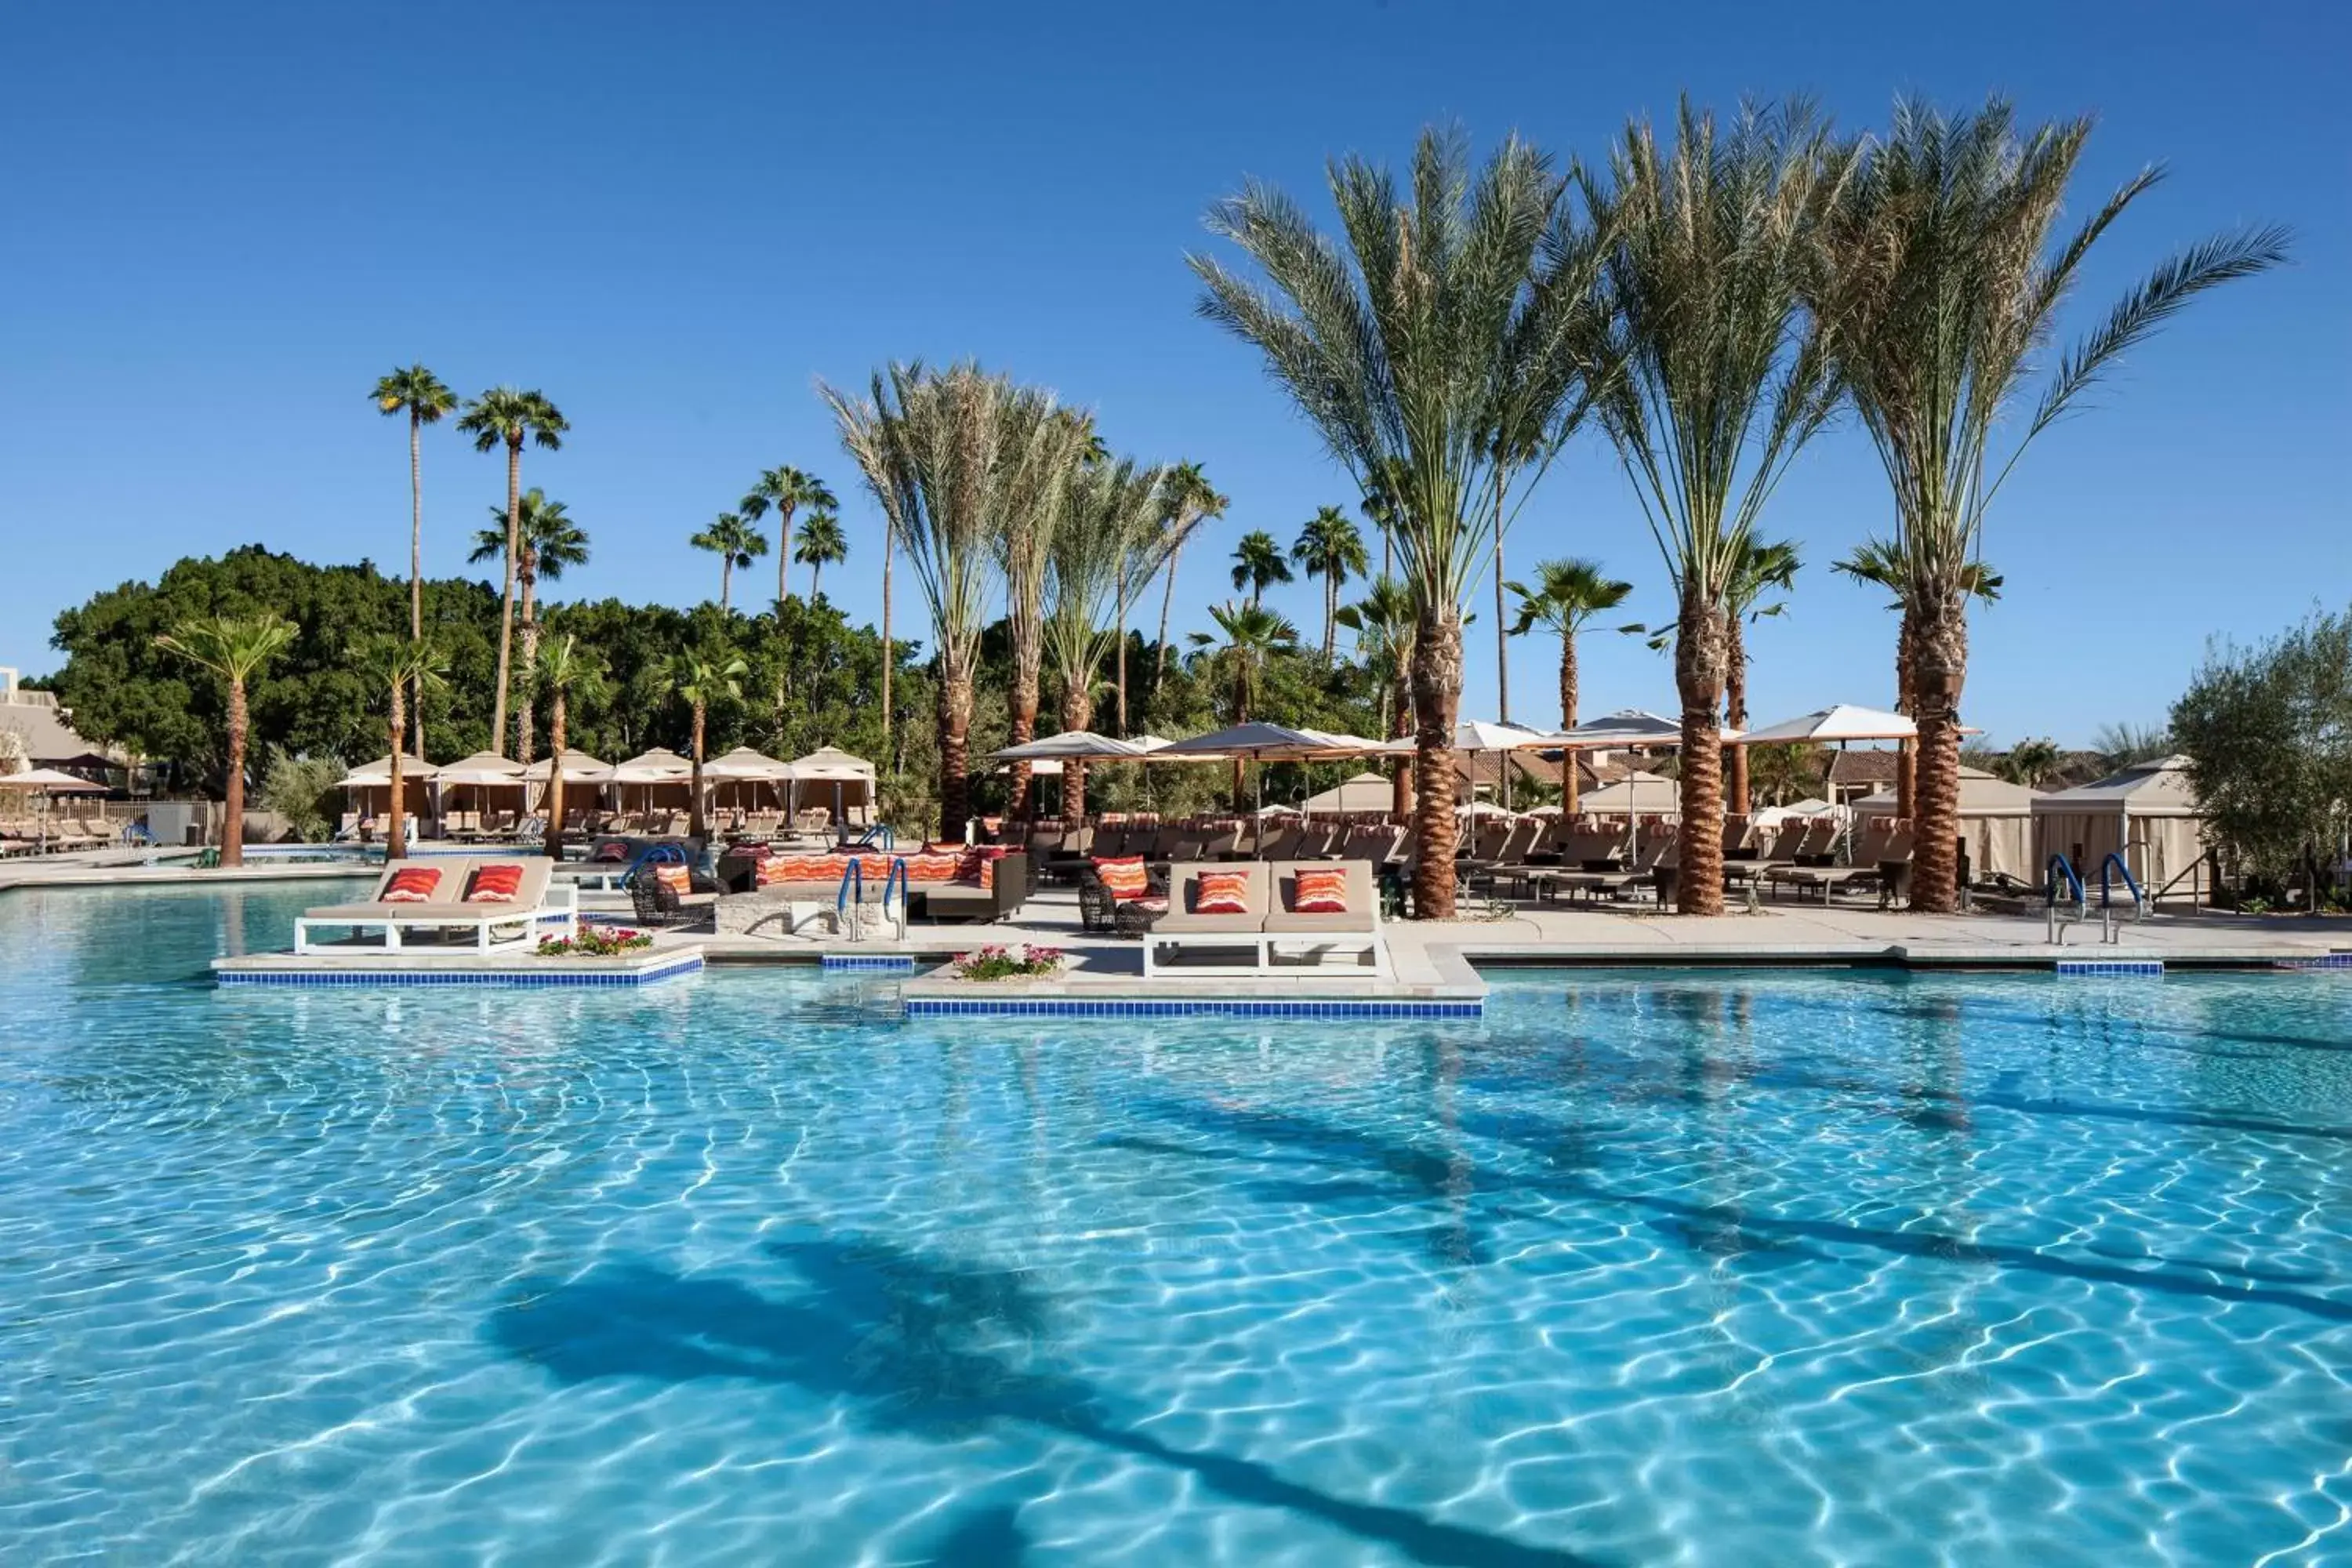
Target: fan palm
(1762,569)
(1723,383)
(702,679)
(1455,314)
(1246,639)
(1259,564)
(788,489)
(419,393)
(1116,524)
(1330,547)
(506,414)
(735,543)
(1192,501)
(566,672)
(399,668)
(550,543)
(1564,596)
(1939,285)
(1383,621)
(1882,563)
(822,544)
(237,649)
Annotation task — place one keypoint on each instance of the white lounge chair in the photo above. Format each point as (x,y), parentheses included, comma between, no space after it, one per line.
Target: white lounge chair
(538,909)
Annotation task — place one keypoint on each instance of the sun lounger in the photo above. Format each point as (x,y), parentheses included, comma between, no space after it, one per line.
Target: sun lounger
(537,907)
(1270,927)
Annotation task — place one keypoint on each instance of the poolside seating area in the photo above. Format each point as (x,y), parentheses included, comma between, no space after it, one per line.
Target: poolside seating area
(62,833)
(482,904)
(1263,918)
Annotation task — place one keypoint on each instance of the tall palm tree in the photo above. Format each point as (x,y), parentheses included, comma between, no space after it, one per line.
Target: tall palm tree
(1330,547)
(237,649)
(1882,563)
(1259,564)
(735,543)
(566,670)
(1762,569)
(1192,501)
(1115,523)
(1724,383)
(788,489)
(419,393)
(702,678)
(950,455)
(2030,761)
(1246,639)
(1942,273)
(551,542)
(1465,311)
(1383,621)
(399,667)
(1565,595)
(1031,513)
(822,544)
(506,414)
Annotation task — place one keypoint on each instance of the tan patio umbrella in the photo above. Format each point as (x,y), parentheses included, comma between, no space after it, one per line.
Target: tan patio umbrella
(44,783)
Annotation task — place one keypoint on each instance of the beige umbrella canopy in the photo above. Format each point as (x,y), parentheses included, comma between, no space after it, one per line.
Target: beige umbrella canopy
(49,780)
(579,767)
(743,763)
(378,773)
(1836,725)
(483,768)
(660,765)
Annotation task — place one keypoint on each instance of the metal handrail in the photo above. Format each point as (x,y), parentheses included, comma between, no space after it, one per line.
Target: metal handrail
(2060,865)
(2115,863)
(900,878)
(881,836)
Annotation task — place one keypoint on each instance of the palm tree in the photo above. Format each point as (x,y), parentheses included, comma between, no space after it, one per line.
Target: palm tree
(2030,761)
(950,455)
(1031,513)
(822,544)
(1251,637)
(1192,501)
(1259,564)
(1565,595)
(1117,523)
(505,414)
(1330,547)
(1940,286)
(419,393)
(702,678)
(567,670)
(398,667)
(788,489)
(735,543)
(1723,384)
(550,541)
(1882,563)
(1761,569)
(236,648)
(2121,745)
(1465,311)
(1383,621)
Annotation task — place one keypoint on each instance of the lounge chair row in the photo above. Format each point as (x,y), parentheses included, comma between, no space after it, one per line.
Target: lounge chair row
(456,893)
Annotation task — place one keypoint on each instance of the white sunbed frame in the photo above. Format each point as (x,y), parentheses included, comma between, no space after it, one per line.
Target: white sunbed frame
(1261,943)
(558,907)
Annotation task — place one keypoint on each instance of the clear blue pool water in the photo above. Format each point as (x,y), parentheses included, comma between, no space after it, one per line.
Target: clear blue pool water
(1710,1268)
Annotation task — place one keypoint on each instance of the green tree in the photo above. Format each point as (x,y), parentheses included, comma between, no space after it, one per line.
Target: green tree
(1565,595)
(1259,564)
(303,790)
(419,393)
(1446,327)
(1331,548)
(703,679)
(1762,570)
(568,671)
(505,415)
(1191,500)
(822,544)
(736,543)
(237,650)
(551,542)
(1246,640)
(1939,285)
(398,668)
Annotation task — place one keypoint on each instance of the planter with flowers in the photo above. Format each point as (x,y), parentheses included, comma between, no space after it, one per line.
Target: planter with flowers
(596,941)
(997,963)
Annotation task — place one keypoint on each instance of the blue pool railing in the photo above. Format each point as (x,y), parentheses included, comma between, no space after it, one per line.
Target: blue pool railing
(2110,867)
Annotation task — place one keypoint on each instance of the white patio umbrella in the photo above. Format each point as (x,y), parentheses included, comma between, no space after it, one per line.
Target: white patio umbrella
(1629,727)
(1479,735)
(1260,741)
(1835,725)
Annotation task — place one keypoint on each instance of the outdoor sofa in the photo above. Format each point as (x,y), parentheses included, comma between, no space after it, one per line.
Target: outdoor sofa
(1271,927)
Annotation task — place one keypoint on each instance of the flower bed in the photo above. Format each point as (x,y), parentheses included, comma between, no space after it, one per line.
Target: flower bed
(595,942)
(997,961)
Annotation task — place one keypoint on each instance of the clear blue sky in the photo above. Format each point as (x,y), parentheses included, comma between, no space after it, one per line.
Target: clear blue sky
(222,222)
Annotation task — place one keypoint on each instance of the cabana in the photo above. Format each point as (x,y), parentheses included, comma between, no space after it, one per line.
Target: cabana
(369,789)
(2148,812)
(489,777)
(1363,792)
(1996,823)
(656,782)
(850,779)
(750,782)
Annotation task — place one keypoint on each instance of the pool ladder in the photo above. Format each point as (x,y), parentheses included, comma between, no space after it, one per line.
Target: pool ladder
(2063,876)
(849,902)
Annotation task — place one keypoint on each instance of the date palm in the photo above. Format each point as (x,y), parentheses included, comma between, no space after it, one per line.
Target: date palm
(551,542)
(399,667)
(1383,621)
(419,393)
(787,490)
(735,543)
(237,649)
(1191,501)
(566,672)
(1941,274)
(1116,524)
(1762,570)
(1564,595)
(505,414)
(1259,564)
(1458,310)
(1331,548)
(822,544)
(1724,382)
(703,678)
(1030,514)
(1246,639)
(1882,563)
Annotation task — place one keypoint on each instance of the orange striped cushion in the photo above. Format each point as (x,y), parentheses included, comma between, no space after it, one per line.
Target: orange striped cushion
(1123,875)
(676,878)
(823,869)
(1222,893)
(1321,892)
(923,870)
(495,884)
(411,885)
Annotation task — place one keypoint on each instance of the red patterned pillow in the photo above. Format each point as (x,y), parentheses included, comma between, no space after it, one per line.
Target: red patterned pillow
(674,877)
(411,885)
(1319,892)
(495,884)
(1123,875)
(1222,893)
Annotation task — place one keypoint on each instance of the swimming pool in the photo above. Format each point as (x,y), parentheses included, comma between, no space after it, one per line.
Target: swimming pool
(1775,1268)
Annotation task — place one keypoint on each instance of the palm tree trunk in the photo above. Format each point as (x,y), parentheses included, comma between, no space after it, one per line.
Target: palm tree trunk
(415,563)
(555,739)
(816,575)
(1939,669)
(233,806)
(1735,714)
(955,753)
(1167,600)
(1078,714)
(1568,783)
(1437,706)
(1019,804)
(1330,618)
(395,844)
(889,649)
(1401,726)
(526,676)
(784,552)
(506,604)
(1906,701)
(696,826)
(1240,716)
(1501,626)
(1119,654)
(1698,678)
(725,578)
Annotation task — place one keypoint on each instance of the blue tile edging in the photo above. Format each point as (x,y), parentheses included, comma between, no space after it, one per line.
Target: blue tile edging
(2112,966)
(346,980)
(887,963)
(2316,960)
(1196,1006)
